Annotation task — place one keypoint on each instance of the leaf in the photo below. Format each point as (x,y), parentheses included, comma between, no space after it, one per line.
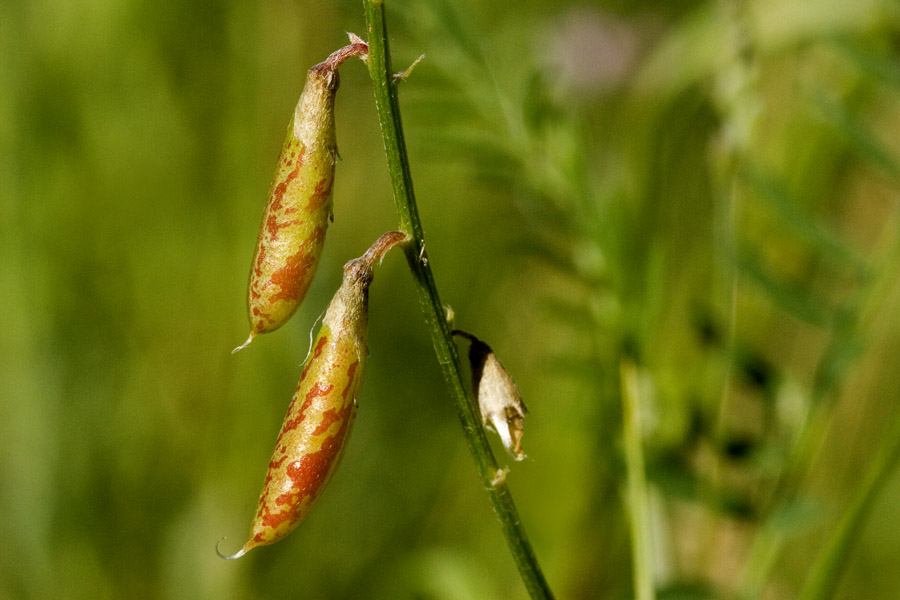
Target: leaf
(856,132)
(836,363)
(795,517)
(788,296)
(581,267)
(575,366)
(773,190)
(689,591)
(455,29)
(876,64)
(572,313)
(670,473)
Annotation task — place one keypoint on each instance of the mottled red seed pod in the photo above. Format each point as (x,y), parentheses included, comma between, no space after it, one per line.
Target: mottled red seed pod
(299,207)
(321,413)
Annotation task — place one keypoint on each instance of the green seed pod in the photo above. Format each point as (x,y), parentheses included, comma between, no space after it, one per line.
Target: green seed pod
(321,412)
(299,207)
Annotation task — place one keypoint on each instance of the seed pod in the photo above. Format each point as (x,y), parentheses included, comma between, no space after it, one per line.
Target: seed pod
(296,217)
(321,413)
(499,400)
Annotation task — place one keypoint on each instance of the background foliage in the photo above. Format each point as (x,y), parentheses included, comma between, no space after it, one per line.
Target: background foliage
(708,188)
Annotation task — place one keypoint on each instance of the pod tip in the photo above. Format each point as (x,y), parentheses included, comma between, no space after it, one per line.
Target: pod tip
(237,554)
(245,344)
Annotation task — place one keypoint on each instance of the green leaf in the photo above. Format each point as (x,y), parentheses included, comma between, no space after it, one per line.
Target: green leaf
(856,132)
(789,296)
(690,591)
(773,191)
(796,517)
(875,64)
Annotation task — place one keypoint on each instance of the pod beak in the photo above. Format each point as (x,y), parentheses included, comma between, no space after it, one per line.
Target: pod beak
(244,345)
(237,554)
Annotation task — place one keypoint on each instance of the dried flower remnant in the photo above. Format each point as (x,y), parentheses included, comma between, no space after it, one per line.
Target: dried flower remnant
(501,404)
(299,206)
(321,413)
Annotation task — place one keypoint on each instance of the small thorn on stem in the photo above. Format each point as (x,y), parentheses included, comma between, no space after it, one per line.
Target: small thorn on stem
(401,76)
(450,316)
(499,477)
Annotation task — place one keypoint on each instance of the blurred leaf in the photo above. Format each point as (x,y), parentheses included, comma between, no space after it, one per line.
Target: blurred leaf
(690,591)
(671,474)
(854,129)
(585,267)
(755,370)
(453,26)
(576,366)
(796,517)
(690,52)
(836,363)
(789,296)
(773,191)
(573,314)
(878,64)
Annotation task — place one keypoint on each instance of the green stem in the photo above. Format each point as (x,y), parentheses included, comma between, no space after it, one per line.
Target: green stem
(825,574)
(404,198)
(638,500)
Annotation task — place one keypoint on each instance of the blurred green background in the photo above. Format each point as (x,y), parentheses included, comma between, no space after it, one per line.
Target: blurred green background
(708,188)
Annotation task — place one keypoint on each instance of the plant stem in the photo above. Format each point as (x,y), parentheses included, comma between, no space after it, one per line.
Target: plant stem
(404,198)
(637,498)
